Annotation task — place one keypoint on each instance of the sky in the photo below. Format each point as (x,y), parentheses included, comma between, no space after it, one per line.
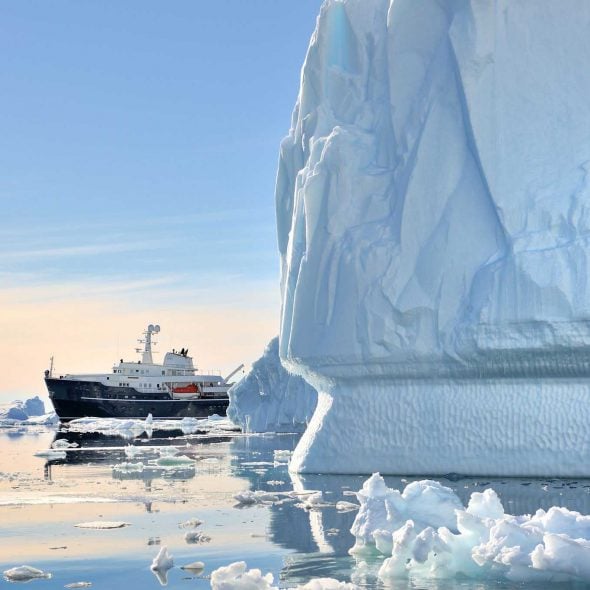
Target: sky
(138,153)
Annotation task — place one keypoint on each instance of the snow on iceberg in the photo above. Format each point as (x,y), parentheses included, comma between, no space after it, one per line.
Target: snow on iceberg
(270,399)
(433,213)
(425,531)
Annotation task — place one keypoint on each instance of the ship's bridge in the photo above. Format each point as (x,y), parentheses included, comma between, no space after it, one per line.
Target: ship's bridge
(179,361)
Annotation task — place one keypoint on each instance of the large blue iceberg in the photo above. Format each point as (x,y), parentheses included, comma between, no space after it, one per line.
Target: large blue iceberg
(433,207)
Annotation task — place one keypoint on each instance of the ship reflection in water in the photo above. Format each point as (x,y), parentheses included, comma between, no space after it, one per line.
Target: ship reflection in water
(161,479)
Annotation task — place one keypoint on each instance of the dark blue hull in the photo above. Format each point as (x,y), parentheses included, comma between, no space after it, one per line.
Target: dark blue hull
(80,399)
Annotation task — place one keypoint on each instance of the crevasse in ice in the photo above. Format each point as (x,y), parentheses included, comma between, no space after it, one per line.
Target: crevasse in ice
(433,211)
(269,398)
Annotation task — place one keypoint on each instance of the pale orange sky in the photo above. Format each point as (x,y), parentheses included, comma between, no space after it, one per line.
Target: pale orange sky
(89,327)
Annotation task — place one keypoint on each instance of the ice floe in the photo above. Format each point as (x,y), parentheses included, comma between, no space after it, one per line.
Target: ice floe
(24,573)
(102,524)
(78,585)
(425,532)
(237,576)
(194,537)
(249,498)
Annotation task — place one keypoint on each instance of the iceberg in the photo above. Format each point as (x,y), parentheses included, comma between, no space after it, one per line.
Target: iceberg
(269,398)
(433,217)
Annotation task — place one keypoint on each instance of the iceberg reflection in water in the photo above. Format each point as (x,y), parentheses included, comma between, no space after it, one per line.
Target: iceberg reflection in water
(178,490)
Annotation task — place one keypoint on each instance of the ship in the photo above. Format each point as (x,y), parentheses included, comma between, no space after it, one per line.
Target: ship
(171,390)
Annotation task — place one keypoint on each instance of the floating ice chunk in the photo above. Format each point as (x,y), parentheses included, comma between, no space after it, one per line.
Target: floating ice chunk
(282,456)
(131,451)
(313,501)
(194,567)
(51,454)
(24,573)
(343,506)
(236,577)
(191,523)
(62,443)
(78,585)
(161,564)
(128,467)
(102,524)
(210,461)
(482,541)
(194,537)
(149,420)
(427,503)
(249,498)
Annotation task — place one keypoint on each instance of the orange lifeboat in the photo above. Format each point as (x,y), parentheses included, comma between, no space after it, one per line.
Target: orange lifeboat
(191,389)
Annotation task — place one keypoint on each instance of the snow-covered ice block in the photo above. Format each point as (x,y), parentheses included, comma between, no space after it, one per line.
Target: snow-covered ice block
(269,398)
(423,538)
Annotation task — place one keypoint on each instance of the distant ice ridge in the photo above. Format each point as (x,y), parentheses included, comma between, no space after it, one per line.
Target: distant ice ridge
(23,412)
(426,532)
(433,212)
(270,399)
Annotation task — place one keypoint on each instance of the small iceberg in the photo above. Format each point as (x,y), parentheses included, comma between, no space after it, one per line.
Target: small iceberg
(25,573)
(195,567)
(161,564)
(194,537)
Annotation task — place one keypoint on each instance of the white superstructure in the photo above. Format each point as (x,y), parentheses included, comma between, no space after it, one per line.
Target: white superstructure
(176,376)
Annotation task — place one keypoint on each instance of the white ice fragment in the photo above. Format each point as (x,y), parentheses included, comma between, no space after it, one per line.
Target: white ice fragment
(102,524)
(249,498)
(194,537)
(343,506)
(78,585)
(131,451)
(62,443)
(191,523)
(236,576)
(24,573)
(481,542)
(161,564)
(128,467)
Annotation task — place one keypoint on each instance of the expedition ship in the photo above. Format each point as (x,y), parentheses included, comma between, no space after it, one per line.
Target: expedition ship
(173,389)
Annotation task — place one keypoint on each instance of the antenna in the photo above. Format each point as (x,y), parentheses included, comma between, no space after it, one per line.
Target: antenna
(146,353)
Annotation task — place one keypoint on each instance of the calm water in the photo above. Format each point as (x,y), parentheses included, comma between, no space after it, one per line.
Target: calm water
(42,501)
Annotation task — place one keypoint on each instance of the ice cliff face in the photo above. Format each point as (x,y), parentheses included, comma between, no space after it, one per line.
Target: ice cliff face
(269,399)
(433,206)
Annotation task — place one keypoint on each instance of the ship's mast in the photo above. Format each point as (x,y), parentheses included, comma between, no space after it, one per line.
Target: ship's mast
(146,354)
